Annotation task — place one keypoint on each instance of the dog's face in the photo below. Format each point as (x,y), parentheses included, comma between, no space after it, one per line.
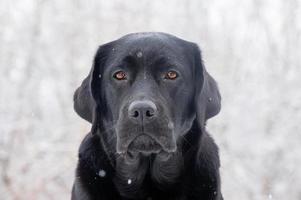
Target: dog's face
(145,87)
(149,89)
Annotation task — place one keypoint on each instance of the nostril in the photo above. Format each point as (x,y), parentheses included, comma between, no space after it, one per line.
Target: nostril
(149,113)
(135,114)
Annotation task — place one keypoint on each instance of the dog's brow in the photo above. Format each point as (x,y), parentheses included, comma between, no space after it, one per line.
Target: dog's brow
(130,59)
(159,61)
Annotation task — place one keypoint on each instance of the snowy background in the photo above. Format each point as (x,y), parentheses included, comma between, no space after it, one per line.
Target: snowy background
(251,47)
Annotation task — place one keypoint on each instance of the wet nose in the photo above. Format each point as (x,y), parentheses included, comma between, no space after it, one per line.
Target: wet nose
(142,111)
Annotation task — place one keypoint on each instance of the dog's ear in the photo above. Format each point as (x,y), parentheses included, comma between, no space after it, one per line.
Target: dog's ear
(87,98)
(83,102)
(207,96)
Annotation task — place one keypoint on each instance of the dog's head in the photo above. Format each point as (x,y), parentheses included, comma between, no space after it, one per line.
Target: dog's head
(144,92)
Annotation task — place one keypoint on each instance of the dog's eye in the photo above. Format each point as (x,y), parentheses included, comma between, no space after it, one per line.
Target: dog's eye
(171,75)
(120,75)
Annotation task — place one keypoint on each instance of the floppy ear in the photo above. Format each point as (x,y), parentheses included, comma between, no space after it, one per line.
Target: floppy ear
(87,98)
(207,99)
(83,100)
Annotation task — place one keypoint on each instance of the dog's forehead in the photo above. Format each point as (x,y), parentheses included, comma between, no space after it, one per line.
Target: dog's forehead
(151,47)
(154,38)
(147,44)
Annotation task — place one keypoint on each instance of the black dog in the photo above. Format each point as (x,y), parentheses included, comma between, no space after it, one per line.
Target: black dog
(148,97)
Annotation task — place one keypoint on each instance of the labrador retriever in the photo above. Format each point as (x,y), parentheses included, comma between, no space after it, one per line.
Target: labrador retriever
(148,97)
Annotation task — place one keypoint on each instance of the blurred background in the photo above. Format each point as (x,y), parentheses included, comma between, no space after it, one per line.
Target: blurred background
(251,47)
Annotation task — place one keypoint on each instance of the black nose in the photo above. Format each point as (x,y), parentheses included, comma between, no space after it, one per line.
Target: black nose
(142,111)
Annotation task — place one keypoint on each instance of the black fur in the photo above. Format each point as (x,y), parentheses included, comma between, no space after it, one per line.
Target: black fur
(188,170)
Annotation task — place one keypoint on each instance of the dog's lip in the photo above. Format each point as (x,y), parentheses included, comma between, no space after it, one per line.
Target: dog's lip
(126,148)
(153,145)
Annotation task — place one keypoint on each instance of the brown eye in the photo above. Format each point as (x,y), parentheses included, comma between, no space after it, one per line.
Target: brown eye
(171,75)
(120,75)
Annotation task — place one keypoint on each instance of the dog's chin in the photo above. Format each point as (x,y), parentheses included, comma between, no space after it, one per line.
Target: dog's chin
(146,146)
(135,156)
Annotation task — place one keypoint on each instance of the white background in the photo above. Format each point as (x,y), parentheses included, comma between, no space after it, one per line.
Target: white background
(252,48)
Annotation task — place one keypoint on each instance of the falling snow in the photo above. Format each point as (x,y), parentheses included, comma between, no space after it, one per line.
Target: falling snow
(139,54)
(102,173)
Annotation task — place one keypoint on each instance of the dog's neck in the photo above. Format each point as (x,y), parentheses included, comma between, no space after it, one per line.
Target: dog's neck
(133,179)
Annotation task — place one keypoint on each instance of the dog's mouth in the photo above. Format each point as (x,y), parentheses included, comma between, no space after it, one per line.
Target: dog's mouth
(144,144)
